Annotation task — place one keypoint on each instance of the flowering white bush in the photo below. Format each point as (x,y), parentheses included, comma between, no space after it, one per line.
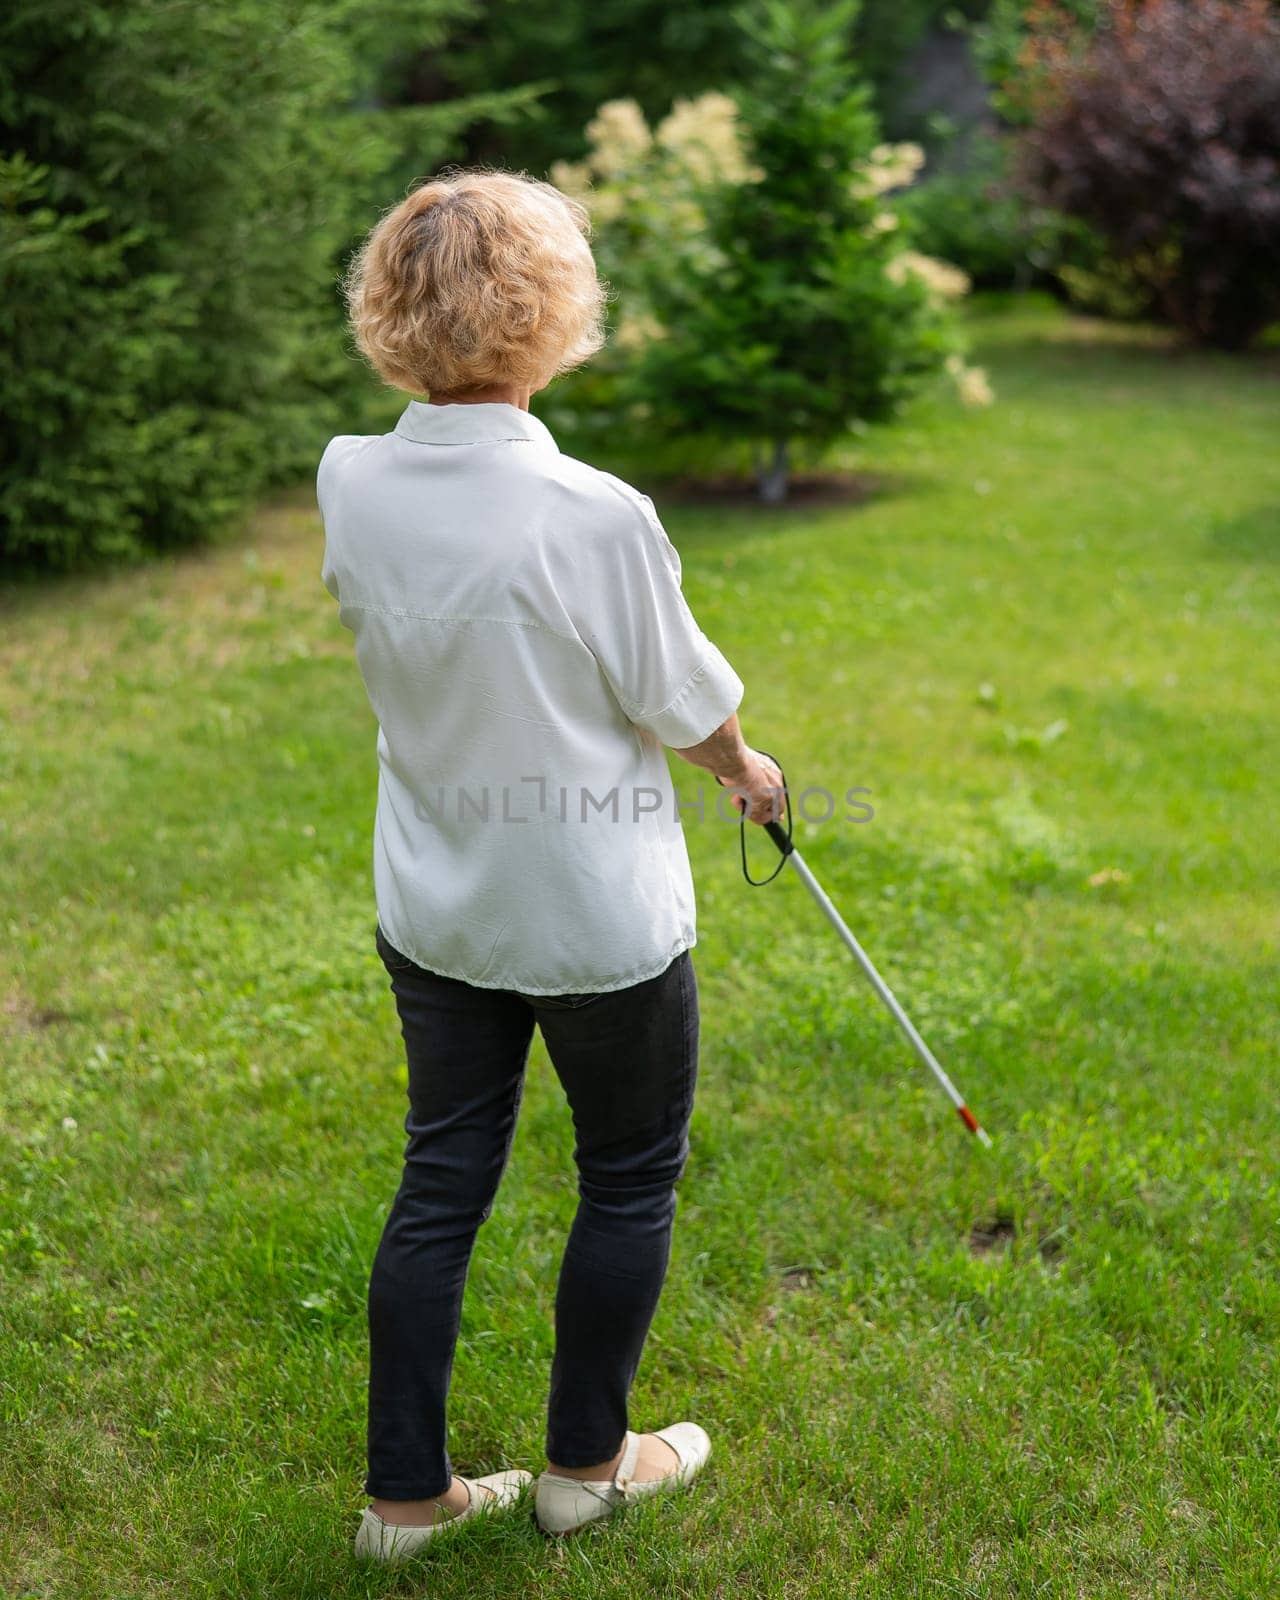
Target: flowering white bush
(644,187)
(703,135)
(894,166)
(646,190)
(939,277)
(891,166)
(946,283)
(971,382)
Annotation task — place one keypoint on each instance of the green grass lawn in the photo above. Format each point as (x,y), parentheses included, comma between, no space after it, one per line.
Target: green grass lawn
(1048,646)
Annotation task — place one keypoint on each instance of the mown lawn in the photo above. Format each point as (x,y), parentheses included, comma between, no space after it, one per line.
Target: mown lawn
(1048,646)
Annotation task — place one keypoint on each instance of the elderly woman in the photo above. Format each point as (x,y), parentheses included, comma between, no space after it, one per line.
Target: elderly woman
(528,653)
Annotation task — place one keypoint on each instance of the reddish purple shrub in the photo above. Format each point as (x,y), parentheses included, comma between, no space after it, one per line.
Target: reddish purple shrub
(1163,133)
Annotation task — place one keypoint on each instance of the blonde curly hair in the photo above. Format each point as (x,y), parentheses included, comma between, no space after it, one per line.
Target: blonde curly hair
(477,278)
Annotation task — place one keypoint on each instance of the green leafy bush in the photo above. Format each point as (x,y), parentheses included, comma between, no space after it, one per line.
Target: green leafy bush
(975,217)
(103,451)
(178,184)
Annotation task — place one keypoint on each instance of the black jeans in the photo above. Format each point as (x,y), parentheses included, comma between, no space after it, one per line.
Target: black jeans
(628,1063)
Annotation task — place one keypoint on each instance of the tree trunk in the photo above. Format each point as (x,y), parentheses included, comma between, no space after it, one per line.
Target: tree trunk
(773,478)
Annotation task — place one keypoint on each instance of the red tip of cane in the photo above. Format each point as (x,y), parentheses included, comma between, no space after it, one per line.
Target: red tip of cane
(974,1126)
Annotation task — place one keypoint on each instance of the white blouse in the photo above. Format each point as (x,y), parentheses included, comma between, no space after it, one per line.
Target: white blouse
(528,652)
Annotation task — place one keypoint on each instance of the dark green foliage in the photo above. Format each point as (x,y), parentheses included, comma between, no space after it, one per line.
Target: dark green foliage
(178,184)
(797,331)
(885,35)
(974,217)
(580,53)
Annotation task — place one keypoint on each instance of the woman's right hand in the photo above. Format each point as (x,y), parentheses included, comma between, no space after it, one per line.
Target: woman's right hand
(758,786)
(735,765)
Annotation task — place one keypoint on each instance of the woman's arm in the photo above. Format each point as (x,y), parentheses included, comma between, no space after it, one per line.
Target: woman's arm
(728,757)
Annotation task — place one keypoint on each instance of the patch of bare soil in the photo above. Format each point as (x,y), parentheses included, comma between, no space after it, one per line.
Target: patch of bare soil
(791,1280)
(18,1012)
(997,1233)
(991,1234)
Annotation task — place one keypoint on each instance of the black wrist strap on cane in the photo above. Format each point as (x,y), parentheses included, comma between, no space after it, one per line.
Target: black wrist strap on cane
(780,836)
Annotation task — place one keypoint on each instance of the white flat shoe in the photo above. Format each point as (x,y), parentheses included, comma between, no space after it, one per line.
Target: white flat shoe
(563,1505)
(391,1543)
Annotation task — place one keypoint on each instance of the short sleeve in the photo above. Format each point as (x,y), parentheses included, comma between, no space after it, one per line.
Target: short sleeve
(328,567)
(665,673)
